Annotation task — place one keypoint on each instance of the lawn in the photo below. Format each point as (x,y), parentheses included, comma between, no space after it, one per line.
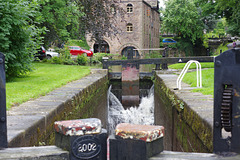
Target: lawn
(207,77)
(207,81)
(44,78)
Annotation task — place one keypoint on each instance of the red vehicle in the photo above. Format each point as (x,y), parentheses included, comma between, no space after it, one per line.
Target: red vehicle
(76,50)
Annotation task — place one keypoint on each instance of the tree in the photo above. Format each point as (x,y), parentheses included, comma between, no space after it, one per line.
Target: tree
(66,19)
(19,35)
(98,19)
(61,18)
(182,18)
(207,11)
(231,11)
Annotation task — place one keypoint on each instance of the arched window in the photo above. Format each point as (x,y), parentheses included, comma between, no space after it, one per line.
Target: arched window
(129,8)
(129,27)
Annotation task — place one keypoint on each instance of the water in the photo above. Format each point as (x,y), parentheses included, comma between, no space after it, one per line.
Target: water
(144,114)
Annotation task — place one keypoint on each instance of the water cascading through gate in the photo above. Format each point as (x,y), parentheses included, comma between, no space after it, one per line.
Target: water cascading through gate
(143,114)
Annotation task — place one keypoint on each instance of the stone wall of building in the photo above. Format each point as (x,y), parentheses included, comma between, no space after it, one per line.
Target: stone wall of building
(145,22)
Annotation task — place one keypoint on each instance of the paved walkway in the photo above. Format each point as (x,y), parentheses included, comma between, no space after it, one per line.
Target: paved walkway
(169,155)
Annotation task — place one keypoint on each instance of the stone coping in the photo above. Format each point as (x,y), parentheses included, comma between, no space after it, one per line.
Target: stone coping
(78,127)
(32,117)
(170,155)
(146,133)
(27,153)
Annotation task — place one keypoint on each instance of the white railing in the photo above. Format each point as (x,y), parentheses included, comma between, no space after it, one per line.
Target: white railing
(184,71)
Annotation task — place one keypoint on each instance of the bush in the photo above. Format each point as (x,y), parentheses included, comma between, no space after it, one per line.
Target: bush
(56,60)
(97,57)
(64,58)
(82,59)
(185,45)
(69,62)
(154,54)
(19,36)
(124,57)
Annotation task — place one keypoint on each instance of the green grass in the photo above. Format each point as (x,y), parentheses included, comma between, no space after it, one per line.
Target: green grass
(221,47)
(207,81)
(207,77)
(45,78)
(193,65)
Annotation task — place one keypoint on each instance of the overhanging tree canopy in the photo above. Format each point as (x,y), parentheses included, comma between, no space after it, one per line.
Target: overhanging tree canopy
(182,18)
(19,34)
(230,10)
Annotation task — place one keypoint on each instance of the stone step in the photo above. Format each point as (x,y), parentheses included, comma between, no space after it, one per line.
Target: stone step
(170,155)
(28,153)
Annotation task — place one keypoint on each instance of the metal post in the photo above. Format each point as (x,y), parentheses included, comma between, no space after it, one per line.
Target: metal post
(3,119)
(157,67)
(105,62)
(165,54)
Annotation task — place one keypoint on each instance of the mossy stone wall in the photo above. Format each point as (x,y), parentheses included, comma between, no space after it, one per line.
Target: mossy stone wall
(184,129)
(90,102)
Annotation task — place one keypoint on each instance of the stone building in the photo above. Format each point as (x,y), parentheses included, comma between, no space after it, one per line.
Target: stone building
(137,24)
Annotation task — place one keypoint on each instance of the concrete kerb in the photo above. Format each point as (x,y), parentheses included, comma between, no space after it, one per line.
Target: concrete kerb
(34,116)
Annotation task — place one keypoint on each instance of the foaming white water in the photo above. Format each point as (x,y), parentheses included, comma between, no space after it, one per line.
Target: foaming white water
(144,114)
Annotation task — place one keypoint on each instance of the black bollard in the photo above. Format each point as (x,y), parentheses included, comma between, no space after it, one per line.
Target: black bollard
(83,138)
(3,119)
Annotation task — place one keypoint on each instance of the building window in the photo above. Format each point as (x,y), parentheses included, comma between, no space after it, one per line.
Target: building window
(129,8)
(129,27)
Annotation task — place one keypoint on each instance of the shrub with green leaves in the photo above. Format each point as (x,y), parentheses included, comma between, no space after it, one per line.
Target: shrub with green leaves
(19,35)
(82,59)
(64,58)
(124,57)
(97,57)
(56,60)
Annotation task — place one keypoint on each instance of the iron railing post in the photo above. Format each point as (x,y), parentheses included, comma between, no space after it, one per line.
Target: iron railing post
(165,54)
(157,67)
(3,118)
(105,62)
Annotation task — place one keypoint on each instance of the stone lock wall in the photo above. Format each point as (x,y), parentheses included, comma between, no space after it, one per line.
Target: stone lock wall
(89,102)
(31,123)
(185,130)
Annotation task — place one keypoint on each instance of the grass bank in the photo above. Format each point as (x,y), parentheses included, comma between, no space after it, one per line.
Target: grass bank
(191,77)
(207,81)
(45,78)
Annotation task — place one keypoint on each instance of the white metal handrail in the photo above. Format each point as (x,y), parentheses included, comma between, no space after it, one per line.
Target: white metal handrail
(184,71)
